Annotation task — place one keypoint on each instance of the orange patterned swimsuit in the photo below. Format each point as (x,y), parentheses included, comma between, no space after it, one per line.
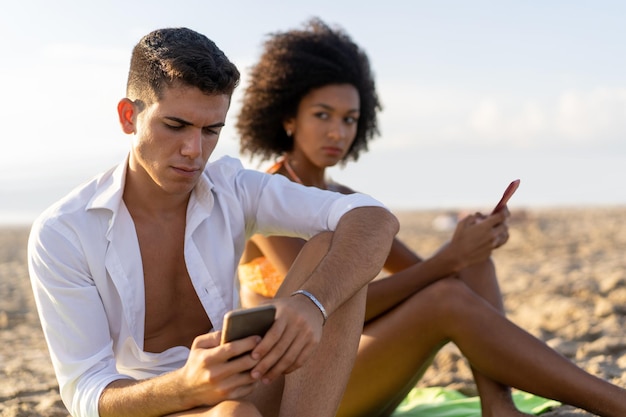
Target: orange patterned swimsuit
(259,275)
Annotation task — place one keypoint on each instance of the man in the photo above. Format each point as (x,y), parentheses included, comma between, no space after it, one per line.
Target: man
(134,271)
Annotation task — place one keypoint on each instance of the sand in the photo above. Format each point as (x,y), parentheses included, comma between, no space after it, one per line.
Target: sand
(562,273)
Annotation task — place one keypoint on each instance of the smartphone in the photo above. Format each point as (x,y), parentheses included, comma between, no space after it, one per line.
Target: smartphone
(508,193)
(247,322)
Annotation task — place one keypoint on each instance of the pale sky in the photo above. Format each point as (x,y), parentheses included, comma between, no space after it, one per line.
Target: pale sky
(475,94)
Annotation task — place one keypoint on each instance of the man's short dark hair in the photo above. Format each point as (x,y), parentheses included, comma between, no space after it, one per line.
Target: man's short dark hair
(172,56)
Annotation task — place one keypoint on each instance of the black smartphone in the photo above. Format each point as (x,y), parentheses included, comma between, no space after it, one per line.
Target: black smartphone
(508,193)
(247,322)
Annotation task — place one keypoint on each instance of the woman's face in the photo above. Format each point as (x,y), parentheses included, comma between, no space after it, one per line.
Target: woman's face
(325,124)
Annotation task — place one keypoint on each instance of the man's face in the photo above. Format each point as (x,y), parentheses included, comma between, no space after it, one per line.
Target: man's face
(175,137)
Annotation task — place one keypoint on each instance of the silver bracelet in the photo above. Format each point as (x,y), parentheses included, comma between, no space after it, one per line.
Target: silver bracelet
(315,301)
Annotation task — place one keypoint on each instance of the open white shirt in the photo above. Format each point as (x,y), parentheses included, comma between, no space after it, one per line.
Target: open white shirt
(87,276)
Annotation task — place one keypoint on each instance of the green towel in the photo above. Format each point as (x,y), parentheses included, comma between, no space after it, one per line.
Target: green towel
(442,402)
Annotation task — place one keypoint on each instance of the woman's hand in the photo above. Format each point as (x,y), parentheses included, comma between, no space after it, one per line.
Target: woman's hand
(476,236)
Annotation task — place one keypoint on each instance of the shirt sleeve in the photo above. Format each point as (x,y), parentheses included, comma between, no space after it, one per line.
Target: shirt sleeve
(290,209)
(72,317)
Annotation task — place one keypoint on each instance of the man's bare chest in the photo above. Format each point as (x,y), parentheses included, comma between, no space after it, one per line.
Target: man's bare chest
(173,312)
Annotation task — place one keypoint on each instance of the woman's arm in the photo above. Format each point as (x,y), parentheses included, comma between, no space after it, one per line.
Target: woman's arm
(473,241)
(281,251)
(408,273)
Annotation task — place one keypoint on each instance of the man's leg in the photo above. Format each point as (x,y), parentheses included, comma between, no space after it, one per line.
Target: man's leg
(223,409)
(316,388)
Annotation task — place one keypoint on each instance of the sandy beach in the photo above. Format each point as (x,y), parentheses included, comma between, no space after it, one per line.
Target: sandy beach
(562,274)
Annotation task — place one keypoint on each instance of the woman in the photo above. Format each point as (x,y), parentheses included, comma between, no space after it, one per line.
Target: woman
(311,102)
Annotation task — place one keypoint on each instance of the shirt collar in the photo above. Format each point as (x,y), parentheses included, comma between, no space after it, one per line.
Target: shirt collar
(110,192)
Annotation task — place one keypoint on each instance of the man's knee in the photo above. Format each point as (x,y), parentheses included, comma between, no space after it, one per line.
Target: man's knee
(234,408)
(320,242)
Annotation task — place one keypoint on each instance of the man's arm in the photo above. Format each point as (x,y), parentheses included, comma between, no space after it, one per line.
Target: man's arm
(206,379)
(356,254)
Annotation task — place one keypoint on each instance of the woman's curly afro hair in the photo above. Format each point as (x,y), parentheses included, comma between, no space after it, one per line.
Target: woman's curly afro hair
(292,64)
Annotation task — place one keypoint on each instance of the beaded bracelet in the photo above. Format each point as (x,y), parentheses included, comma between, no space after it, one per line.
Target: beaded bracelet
(315,301)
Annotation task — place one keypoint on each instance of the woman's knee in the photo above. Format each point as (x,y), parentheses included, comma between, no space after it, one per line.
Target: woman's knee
(448,295)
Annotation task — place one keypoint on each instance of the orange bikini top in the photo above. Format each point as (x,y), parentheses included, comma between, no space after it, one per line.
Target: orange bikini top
(260,276)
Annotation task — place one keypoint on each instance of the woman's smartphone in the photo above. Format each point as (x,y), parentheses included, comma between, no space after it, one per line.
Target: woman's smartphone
(247,322)
(508,193)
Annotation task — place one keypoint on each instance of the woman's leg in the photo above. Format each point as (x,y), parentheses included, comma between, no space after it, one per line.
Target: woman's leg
(495,398)
(395,348)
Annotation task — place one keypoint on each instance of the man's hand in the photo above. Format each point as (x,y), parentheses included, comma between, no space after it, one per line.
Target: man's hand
(296,332)
(214,372)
